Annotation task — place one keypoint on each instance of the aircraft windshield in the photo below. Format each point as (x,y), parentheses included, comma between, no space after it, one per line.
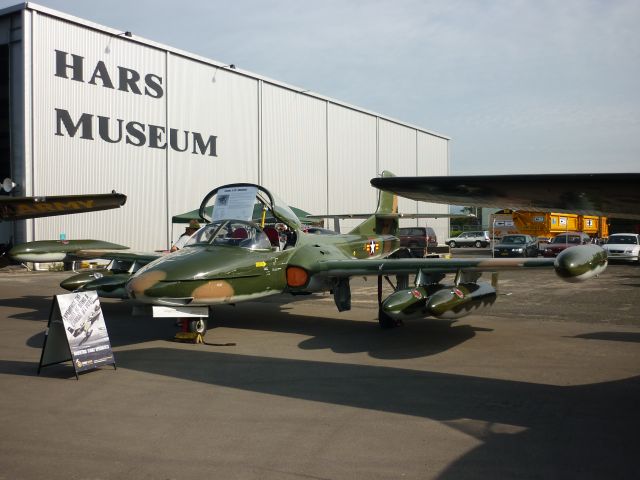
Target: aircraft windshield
(232,233)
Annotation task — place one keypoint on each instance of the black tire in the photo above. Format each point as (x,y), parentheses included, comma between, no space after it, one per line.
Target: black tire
(198,325)
(478,244)
(452,244)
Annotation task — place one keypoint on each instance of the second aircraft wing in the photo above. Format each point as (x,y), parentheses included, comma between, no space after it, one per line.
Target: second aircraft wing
(611,194)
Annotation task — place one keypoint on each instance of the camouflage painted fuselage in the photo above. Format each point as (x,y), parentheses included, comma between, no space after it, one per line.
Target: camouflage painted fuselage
(209,275)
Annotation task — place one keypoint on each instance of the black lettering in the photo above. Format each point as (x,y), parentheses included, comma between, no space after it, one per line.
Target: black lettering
(103,129)
(199,143)
(62,66)
(135,133)
(84,123)
(156,134)
(153,85)
(102,73)
(129,79)
(136,130)
(173,140)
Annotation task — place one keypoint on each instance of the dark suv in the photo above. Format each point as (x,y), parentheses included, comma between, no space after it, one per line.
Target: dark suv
(418,239)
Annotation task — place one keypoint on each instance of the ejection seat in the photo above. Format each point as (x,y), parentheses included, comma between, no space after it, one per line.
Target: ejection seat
(273,236)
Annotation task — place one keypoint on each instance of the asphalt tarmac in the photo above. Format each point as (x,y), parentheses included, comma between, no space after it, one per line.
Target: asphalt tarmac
(545,385)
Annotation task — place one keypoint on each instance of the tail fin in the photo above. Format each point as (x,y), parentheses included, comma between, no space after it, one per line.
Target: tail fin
(385,220)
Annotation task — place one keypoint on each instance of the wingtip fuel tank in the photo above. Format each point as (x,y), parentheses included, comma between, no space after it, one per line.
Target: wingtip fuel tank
(580,263)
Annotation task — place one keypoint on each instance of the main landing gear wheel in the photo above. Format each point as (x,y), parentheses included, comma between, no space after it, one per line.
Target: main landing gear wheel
(198,325)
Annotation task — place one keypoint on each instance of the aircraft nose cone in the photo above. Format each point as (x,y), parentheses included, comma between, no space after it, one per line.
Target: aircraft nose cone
(579,263)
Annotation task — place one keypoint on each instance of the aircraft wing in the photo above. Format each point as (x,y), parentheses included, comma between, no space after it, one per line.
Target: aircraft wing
(126,255)
(611,194)
(346,268)
(341,216)
(19,208)
(573,264)
(73,250)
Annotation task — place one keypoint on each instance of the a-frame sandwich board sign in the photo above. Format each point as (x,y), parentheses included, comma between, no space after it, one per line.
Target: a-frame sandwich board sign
(76,332)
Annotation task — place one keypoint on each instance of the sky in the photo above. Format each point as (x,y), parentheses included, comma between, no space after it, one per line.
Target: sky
(519,86)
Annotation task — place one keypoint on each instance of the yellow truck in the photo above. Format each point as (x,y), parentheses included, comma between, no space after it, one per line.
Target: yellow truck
(545,225)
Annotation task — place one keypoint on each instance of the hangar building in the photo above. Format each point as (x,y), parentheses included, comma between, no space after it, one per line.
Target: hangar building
(88,109)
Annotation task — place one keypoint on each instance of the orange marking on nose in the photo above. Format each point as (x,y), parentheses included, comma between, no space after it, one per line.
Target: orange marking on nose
(214,289)
(146,280)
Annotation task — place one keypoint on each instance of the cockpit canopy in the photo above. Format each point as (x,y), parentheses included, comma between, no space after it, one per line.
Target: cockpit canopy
(239,197)
(232,233)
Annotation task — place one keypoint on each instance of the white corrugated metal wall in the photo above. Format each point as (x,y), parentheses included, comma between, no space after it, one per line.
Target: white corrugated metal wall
(294,147)
(433,160)
(352,153)
(204,98)
(75,165)
(314,152)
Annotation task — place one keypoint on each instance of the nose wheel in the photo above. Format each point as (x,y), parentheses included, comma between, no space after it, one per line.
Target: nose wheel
(197,325)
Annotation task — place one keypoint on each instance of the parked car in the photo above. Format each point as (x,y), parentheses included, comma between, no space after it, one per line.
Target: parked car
(563,241)
(479,239)
(623,246)
(418,239)
(516,246)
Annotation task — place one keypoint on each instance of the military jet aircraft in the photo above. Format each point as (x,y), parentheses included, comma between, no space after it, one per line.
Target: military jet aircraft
(237,258)
(232,260)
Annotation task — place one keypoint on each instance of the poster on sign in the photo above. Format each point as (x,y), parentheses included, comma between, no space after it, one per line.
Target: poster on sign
(235,203)
(77,332)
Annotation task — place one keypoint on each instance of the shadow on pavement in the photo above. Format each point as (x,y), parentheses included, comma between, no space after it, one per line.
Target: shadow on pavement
(631,337)
(527,430)
(417,339)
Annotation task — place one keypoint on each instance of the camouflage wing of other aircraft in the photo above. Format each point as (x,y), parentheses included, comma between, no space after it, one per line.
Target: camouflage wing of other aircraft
(108,282)
(232,259)
(20,208)
(611,194)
